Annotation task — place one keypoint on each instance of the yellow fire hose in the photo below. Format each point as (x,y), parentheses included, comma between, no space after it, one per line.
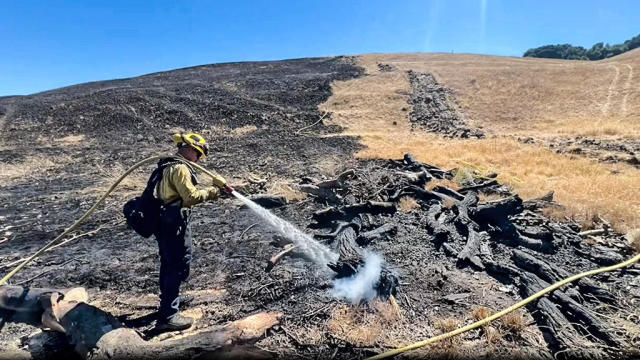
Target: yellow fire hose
(92,210)
(505,311)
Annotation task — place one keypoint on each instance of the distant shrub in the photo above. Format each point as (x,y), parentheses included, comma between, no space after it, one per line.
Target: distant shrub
(598,51)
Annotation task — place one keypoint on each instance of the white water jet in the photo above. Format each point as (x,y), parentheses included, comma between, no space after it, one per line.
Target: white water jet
(317,252)
(356,288)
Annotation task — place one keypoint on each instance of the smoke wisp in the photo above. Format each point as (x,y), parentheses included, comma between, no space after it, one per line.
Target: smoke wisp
(360,286)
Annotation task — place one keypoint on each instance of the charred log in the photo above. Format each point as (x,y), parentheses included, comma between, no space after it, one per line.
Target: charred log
(96,334)
(384,231)
(449,192)
(551,321)
(349,212)
(484,185)
(338,182)
(269,201)
(414,165)
(419,178)
(581,315)
(470,254)
(325,194)
(541,202)
(601,256)
(497,212)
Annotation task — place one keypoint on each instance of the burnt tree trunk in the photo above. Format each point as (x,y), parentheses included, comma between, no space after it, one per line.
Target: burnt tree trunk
(96,334)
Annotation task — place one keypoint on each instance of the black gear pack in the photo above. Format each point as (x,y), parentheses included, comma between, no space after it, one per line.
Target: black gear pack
(143,212)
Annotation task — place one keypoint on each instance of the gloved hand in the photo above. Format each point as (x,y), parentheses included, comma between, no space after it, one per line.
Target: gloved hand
(213,191)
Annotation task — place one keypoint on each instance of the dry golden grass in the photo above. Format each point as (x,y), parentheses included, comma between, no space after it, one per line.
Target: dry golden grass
(489,197)
(362,327)
(514,322)
(448,203)
(585,187)
(598,128)
(481,312)
(446,183)
(283,188)
(407,204)
(633,237)
(240,131)
(463,176)
(528,96)
(582,185)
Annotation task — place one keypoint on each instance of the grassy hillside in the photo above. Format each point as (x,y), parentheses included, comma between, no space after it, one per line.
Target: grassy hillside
(555,104)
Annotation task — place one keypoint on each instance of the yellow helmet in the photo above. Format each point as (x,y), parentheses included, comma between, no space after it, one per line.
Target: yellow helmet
(193,140)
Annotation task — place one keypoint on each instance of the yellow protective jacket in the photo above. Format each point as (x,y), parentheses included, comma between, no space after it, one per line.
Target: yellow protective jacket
(178,183)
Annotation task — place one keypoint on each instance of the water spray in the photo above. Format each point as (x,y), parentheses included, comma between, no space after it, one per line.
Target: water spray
(315,251)
(356,288)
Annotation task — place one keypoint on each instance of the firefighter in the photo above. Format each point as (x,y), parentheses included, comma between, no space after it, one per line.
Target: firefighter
(178,192)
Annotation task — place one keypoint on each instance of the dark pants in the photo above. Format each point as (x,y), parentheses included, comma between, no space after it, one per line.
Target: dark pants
(174,242)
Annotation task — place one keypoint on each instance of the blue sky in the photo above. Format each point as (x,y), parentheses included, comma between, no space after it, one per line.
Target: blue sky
(50,44)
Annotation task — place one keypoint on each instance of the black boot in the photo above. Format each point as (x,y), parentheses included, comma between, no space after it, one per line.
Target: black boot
(185,300)
(175,323)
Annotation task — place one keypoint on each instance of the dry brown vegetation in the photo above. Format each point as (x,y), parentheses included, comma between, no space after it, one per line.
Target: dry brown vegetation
(446,325)
(481,312)
(244,130)
(525,95)
(448,348)
(492,334)
(329,166)
(30,166)
(408,204)
(364,326)
(514,322)
(446,183)
(508,98)
(448,203)
(634,239)
(283,188)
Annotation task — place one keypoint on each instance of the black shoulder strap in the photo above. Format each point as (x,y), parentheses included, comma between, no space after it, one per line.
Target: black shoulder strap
(177,159)
(156,175)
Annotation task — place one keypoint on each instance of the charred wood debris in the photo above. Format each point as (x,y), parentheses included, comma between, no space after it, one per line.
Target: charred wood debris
(508,238)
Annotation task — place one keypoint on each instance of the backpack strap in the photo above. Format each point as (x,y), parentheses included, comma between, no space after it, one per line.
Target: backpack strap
(170,161)
(156,176)
(154,179)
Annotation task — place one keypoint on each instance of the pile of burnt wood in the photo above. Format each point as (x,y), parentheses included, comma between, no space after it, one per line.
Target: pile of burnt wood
(508,238)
